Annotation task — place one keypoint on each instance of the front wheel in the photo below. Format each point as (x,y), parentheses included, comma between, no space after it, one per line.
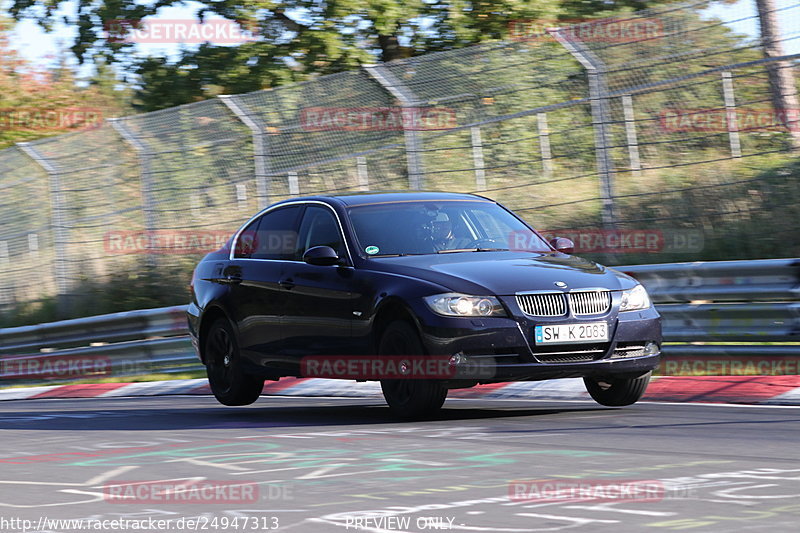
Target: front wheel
(617,392)
(409,398)
(229,383)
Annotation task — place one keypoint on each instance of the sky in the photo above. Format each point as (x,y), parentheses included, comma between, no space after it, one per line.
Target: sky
(42,48)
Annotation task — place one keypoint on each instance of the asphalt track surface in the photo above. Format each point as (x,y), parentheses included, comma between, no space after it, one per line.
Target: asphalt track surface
(338,464)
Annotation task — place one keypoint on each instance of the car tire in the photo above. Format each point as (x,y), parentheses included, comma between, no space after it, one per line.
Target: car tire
(617,392)
(409,398)
(229,383)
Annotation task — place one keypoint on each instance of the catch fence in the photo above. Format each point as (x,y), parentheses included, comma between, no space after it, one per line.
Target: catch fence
(650,137)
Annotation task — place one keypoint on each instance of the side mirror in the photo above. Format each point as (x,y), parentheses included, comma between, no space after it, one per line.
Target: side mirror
(563,245)
(321,256)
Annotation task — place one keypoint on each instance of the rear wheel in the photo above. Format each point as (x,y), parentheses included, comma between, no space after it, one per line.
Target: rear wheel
(229,383)
(617,392)
(409,398)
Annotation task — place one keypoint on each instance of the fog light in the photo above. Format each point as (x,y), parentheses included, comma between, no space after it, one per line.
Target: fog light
(458,359)
(651,348)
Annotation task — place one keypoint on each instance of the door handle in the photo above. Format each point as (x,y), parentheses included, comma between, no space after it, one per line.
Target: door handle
(287,283)
(233,280)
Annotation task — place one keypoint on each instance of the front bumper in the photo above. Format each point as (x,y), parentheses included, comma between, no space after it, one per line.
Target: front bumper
(495,350)
(193,323)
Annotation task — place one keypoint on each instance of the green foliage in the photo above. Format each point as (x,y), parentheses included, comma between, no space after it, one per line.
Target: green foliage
(138,288)
(36,102)
(301,38)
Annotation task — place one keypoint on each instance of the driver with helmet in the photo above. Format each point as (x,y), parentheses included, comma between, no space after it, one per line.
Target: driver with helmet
(442,236)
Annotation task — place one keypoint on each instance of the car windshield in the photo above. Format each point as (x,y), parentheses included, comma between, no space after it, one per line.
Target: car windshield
(428,227)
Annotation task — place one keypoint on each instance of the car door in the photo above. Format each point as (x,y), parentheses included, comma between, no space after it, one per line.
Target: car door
(258,299)
(320,299)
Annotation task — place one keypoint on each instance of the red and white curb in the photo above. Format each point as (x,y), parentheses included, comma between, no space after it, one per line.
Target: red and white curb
(759,390)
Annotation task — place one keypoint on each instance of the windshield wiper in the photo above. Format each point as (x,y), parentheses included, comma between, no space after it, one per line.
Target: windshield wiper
(457,250)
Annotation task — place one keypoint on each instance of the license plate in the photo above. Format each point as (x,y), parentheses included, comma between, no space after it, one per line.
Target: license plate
(571,333)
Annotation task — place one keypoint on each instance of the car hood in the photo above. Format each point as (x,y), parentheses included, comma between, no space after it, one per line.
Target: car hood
(505,273)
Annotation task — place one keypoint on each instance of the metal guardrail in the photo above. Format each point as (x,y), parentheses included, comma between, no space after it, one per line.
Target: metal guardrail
(720,281)
(131,343)
(745,303)
(738,322)
(114,327)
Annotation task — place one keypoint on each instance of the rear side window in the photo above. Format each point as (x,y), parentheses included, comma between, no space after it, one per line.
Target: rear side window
(271,236)
(319,228)
(246,243)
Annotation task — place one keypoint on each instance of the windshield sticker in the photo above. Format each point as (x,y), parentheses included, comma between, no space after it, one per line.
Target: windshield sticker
(372,250)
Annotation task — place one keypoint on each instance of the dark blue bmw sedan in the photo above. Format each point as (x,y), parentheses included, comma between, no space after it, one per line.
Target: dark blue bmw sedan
(424,292)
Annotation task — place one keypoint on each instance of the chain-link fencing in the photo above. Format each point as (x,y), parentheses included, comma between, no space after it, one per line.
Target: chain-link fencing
(656,136)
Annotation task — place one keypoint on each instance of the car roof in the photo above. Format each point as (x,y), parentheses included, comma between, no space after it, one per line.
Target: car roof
(366,198)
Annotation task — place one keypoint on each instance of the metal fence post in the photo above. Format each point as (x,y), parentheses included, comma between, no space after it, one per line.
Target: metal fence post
(145,178)
(58,221)
(730,113)
(598,97)
(544,144)
(260,161)
(413,138)
(630,134)
(477,158)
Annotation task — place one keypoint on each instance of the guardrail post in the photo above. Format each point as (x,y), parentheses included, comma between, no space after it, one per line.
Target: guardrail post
(6,293)
(477,158)
(4,262)
(260,160)
(598,97)
(630,134)
(413,138)
(294,184)
(730,113)
(241,195)
(362,173)
(544,144)
(58,208)
(145,178)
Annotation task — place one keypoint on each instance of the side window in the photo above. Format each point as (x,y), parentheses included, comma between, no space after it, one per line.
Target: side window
(271,236)
(246,243)
(277,234)
(319,228)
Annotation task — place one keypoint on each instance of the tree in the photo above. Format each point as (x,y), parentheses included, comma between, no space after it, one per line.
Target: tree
(301,38)
(781,77)
(37,102)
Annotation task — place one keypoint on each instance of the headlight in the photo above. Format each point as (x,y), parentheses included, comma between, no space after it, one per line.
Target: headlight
(454,304)
(634,299)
